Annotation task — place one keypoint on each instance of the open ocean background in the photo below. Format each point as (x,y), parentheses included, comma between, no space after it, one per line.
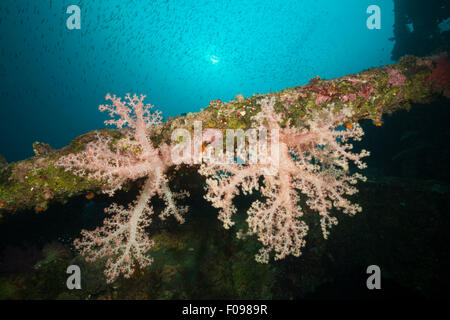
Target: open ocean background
(182,54)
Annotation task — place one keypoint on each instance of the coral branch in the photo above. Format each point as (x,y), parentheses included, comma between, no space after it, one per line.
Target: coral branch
(313,161)
(123,239)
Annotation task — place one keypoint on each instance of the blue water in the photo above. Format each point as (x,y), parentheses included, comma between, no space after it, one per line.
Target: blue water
(182,54)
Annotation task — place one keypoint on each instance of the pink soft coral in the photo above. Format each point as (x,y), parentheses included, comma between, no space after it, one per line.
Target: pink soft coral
(322,99)
(396,77)
(122,238)
(348,97)
(313,162)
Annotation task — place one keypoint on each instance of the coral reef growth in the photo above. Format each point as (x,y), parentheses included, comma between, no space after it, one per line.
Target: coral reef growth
(313,161)
(123,239)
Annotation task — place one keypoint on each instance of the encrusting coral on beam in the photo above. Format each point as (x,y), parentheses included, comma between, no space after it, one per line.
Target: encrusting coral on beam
(36,182)
(306,166)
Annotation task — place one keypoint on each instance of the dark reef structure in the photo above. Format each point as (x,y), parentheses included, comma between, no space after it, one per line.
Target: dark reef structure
(416,28)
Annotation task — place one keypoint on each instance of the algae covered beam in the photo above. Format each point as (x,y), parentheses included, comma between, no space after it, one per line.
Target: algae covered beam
(36,182)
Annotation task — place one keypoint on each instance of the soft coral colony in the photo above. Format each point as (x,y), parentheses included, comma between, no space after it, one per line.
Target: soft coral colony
(312,164)
(123,239)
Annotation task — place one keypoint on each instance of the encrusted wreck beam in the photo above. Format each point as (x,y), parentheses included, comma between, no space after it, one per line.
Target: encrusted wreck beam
(35,182)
